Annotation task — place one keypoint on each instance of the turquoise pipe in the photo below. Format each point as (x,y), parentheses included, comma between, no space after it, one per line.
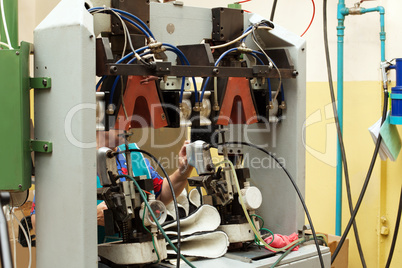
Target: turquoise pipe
(380,10)
(11,14)
(340,33)
(342,12)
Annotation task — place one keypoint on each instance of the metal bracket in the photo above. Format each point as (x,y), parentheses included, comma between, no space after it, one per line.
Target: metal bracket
(41,146)
(40,82)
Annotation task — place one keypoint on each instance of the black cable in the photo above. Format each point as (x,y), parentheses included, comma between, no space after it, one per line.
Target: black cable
(173,195)
(5,251)
(296,188)
(366,182)
(398,221)
(273,10)
(339,133)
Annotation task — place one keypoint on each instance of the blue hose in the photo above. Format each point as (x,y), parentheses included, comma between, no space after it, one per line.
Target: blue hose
(216,64)
(118,77)
(262,63)
(146,31)
(182,58)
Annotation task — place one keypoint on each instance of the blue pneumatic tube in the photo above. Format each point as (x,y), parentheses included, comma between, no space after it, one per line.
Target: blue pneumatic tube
(396,95)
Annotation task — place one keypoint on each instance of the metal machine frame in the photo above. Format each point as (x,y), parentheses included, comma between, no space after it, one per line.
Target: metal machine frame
(65,115)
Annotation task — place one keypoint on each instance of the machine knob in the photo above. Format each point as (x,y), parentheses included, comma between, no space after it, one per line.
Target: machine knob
(252,197)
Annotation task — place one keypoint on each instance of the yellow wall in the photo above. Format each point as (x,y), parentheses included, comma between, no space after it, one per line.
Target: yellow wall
(363,102)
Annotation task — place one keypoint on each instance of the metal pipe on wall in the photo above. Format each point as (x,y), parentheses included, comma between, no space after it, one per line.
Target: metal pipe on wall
(342,12)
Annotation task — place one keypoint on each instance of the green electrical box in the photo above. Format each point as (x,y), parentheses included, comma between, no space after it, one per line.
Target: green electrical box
(15,155)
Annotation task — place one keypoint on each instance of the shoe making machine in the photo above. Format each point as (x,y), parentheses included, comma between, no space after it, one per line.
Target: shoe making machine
(150,59)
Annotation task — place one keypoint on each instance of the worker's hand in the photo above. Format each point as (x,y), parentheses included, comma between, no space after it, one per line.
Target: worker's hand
(99,213)
(184,167)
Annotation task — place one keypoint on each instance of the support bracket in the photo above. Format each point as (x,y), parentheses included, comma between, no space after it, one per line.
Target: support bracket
(40,82)
(41,146)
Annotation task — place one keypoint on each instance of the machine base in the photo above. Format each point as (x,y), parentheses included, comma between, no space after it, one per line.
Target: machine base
(306,256)
(238,232)
(132,253)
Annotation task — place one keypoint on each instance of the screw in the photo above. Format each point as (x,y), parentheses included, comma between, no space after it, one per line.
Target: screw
(167,69)
(163,116)
(295,73)
(215,71)
(113,69)
(44,82)
(19,186)
(17,53)
(45,147)
(91,36)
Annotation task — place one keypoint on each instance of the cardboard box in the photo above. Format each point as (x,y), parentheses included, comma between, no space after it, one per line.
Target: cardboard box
(342,260)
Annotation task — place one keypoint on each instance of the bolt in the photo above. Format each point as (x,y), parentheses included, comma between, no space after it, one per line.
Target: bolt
(113,69)
(295,73)
(45,147)
(167,69)
(19,186)
(163,116)
(91,36)
(215,71)
(17,53)
(44,82)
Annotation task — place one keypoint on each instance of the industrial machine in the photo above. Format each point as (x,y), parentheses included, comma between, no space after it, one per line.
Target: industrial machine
(223,72)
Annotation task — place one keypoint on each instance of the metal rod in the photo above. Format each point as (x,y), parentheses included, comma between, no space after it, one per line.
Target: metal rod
(5,251)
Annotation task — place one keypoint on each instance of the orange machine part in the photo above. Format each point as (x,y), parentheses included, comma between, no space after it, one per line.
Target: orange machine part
(142,104)
(237,105)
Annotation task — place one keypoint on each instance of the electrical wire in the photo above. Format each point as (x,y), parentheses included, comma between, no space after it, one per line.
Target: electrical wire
(242,2)
(120,17)
(125,32)
(14,241)
(395,236)
(100,82)
(270,61)
(143,24)
(298,244)
(183,80)
(183,58)
(26,237)
(297,191)
(115,11)
(118,77)
(366,181)
(3,16)
(143,196)
(153,241)
(6,45)
(246,212)
(173,195)
(262,63)
(241,37)
(216,64)
(339,134)
(312,19)
(271,18)
(261,228)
